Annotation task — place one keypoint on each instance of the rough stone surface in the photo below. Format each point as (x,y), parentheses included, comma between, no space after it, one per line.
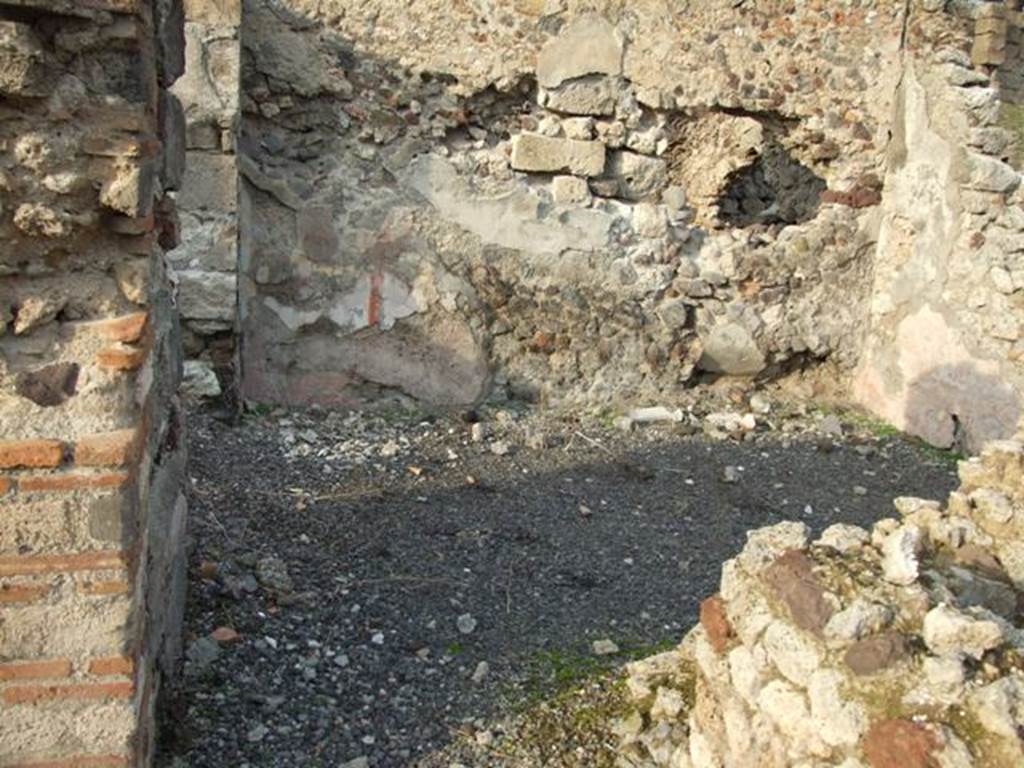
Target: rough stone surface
(746,214)
(206,256)
(588,45)
(532,152)
(909,671)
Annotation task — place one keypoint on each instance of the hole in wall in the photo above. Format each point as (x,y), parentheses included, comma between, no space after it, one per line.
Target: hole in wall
(738,170)
(775,189)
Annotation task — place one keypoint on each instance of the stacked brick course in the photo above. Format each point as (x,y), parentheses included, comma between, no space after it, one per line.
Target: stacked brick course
(91,455)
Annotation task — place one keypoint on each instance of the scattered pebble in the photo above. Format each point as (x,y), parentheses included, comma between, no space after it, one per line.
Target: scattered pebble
(481,671)
(604,648)
(225,635)
(831,425)
(484,738)
(383,553)
(465,624)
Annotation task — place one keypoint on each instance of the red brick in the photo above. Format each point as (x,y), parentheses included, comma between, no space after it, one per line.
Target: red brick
(121,358)
(26,670)
(5,485)
(114,665)
(30,453)
(79,761)
(716,623)
(127,328)
(32,694)
(13,594)
(71,482)
(109,449)
(900,744)
(78,561)
(104,588)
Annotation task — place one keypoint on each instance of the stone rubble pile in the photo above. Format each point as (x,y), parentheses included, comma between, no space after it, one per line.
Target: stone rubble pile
(900,646)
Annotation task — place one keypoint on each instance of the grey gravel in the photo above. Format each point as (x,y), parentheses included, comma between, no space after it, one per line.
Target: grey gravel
(358,659)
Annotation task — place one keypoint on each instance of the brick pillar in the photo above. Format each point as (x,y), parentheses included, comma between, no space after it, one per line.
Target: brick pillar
(91,451)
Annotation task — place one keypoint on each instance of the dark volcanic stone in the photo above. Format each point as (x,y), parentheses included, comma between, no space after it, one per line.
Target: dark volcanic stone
(873,654)
(793,581)
(48,386)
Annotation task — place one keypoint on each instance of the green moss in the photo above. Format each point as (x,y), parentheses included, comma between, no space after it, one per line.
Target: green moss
(400,413)
(686,684)
(551,672)
(1011,116)
(575,728)
(969,730)
(566,710)
(555,671)
(860,420)
(883,430)
(938,455)
(883,701)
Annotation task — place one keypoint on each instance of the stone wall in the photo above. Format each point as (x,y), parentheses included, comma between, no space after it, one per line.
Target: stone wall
(595,202)
(898,647)
(91,450)
(942,355)
(572,202)
(206,262)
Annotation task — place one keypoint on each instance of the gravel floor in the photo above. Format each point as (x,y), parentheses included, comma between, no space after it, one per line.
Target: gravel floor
(350,573)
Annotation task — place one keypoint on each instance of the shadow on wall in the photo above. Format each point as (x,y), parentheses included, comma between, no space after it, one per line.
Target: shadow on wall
(435,360)
(777,189)
(1010,76)
(338,321)
(959,407)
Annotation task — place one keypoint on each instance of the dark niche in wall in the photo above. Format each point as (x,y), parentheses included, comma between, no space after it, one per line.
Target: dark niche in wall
(775,189)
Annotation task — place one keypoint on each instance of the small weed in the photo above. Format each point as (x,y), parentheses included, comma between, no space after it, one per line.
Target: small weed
(883,430)
(401,413)
(259,410)
(606,418)
(454,649)
(937,455)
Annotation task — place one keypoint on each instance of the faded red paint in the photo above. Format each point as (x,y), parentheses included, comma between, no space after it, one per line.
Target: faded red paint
(373,303)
